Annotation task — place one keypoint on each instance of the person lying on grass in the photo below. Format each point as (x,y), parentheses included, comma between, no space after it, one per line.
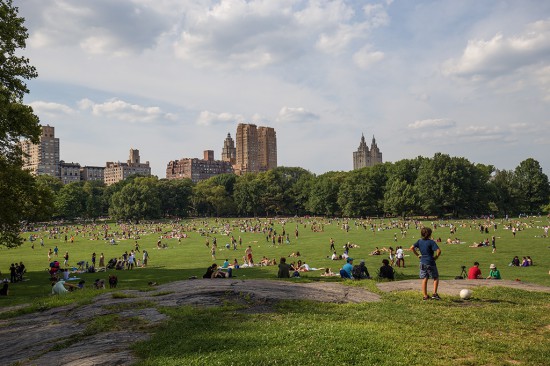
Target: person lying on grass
(214,272)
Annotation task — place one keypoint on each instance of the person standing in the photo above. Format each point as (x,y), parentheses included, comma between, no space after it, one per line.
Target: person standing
(248,254)
(400,255)
(145,258)
(101,260)
(66,259)
(93,259)
(494,244)
(428,252)
(213,251)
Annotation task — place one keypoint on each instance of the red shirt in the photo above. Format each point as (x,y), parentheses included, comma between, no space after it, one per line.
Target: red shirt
(474,273)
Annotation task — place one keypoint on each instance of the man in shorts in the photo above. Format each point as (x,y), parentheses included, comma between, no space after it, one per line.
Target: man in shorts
(429,252)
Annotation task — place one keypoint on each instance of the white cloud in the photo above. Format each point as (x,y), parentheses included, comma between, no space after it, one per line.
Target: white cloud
(124,111)
(364,58)
(98,27)
(50,109)
(257,33)
(296,115)
(502,55)
(438,123)
(207,118)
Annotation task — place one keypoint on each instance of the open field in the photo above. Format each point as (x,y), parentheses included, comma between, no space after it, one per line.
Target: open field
(499,326)
(190,257)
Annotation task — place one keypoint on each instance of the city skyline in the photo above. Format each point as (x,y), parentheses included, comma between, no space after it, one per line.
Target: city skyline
(467,78)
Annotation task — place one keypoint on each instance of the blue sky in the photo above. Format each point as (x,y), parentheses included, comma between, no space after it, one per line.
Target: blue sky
(173,77)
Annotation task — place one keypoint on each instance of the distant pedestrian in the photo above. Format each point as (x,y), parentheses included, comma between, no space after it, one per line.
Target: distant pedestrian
(66,259)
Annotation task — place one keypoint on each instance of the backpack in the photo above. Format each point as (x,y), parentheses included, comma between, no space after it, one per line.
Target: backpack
(356,271)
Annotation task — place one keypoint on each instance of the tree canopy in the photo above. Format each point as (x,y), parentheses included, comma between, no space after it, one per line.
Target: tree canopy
(19,191)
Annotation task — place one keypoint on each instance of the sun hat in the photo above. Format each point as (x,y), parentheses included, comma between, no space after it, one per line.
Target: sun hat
(492,266)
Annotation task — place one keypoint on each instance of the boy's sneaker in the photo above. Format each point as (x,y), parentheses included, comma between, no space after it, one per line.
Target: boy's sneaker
(436,297)
(426,298)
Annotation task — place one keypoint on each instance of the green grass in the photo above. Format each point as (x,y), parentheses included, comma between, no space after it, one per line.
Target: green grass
(510,328)
(191,256)
(498,327)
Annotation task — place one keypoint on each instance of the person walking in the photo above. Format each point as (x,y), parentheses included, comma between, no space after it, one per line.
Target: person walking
(427,250)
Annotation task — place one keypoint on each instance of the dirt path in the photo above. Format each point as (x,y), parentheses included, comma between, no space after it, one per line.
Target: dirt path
(63,336)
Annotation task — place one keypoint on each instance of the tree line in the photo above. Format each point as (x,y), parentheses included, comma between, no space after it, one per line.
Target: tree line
(438,186)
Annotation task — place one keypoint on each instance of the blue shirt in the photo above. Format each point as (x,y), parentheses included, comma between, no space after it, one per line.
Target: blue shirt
(348,267)
(427,249)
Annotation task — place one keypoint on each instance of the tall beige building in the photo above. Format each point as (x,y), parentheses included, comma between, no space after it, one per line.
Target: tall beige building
(247,149)
(115,172)
(42,158)
(256,149)
(364,157)
(267,148)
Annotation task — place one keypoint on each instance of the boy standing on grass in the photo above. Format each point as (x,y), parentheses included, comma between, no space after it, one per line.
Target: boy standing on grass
(429,252)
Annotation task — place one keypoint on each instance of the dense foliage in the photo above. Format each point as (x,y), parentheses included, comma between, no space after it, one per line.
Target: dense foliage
(438,186)
(20,195)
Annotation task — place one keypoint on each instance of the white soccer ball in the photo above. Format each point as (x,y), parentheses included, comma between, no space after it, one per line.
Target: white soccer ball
(465,294)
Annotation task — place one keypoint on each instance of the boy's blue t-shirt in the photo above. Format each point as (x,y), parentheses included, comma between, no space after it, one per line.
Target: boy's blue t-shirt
(427,249)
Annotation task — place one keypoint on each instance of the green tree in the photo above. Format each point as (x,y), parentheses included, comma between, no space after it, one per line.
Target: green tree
(17,121)
(532,186)
(94,198)
(399,198)
(138,199)
(175,196)
(247,194)
(70,202)
(323,199)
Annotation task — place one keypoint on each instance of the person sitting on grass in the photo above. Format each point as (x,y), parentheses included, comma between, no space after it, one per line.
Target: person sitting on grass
(61,287)
(284,269)
(524,262)
(515,262)
(346,270)
(386,271)
(494,273)
(214,272)
(474,273)
(4,289)
(360,271)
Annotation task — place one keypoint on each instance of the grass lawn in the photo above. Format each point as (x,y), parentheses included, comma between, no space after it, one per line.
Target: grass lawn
(499,326)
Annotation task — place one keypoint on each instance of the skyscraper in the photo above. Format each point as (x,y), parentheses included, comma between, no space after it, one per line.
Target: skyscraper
(256,149)
(229,152)
(42,158)
(364,157)
(267,148)
(247,149)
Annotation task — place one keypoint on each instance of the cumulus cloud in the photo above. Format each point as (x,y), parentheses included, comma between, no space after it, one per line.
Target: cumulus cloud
(50,109)
(98,27)
(296,115)
(124,111)
(502,54)
(207,118)
(258,33)
(364,58)
(438,123)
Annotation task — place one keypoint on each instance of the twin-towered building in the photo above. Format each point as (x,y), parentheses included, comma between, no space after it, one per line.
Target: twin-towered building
(364,157)
(256,151)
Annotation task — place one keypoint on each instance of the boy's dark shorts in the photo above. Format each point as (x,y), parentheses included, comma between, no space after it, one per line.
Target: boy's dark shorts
(428,271)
